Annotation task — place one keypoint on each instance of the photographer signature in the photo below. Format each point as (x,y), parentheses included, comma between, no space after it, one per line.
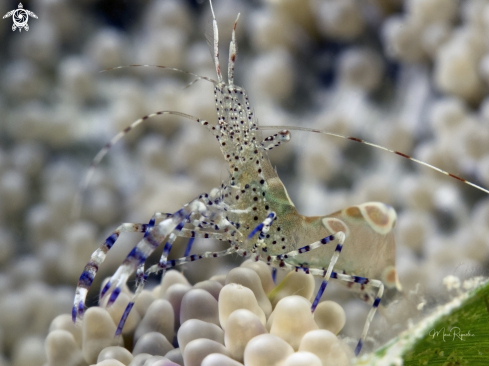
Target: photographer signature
(453,333)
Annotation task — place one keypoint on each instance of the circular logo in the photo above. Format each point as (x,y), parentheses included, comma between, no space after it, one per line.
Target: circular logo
(20,18)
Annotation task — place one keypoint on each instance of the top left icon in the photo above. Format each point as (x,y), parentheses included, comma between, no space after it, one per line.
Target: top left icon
(20,17)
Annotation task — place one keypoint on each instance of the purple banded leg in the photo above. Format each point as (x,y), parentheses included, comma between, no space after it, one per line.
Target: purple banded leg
(124,317)
(91,268)
(263,228)
(188,249)
(141,277)
(327,274)
(350,279)
(187,259)
(375,305)
(163,265)
(281,263)
(136,258)
(149,243)
(192,234)
(280,258)
(198,225)
(148,229)
(191,258)
(370,315)
(274,275)
(160,216)
(204,223)
(304,249)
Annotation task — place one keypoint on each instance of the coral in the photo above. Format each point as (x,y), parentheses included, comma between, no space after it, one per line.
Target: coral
(234,326)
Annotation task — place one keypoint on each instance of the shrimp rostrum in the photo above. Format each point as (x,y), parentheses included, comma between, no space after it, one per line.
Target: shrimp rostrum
(253,212)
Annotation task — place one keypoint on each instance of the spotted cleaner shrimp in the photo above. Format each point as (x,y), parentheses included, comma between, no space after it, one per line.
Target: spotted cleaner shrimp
(254,213)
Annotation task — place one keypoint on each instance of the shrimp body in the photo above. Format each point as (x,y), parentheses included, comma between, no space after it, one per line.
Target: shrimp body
(255,189)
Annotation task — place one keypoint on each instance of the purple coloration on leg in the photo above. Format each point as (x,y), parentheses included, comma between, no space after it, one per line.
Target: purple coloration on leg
(105,289)
(274,275)
(359,347)
(81,309)
(150,239)
(86,279)
(189,247)
(114,296)
(73,314)
(318,296)
(167,248)
(137,254)
(169,264)
(327,239)
(109,242)
(124,317)
(179,213)
(360,280)
(149,226)
(141,276)
(255,230)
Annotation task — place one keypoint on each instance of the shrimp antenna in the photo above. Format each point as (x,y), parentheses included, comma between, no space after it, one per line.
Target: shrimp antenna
(197,77)
(77,203)
(377,147)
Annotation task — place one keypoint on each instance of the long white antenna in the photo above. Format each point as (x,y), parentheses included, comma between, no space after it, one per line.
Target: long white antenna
(377,147)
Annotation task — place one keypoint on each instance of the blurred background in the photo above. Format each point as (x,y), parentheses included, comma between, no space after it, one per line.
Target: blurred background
(410,75)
